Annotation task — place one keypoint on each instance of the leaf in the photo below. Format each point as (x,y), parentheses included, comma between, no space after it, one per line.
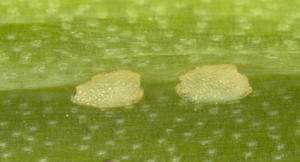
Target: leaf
(49,47)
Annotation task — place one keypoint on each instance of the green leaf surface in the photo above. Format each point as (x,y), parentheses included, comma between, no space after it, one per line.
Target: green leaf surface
(49,47)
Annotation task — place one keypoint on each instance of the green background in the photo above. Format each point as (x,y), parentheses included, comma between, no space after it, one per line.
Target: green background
(48,47)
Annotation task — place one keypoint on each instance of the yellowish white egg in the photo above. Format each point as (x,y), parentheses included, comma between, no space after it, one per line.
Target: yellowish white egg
(108,90)
(213,84)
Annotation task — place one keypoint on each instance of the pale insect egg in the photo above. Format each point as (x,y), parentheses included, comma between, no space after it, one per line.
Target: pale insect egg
(213,84)
(107,90)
